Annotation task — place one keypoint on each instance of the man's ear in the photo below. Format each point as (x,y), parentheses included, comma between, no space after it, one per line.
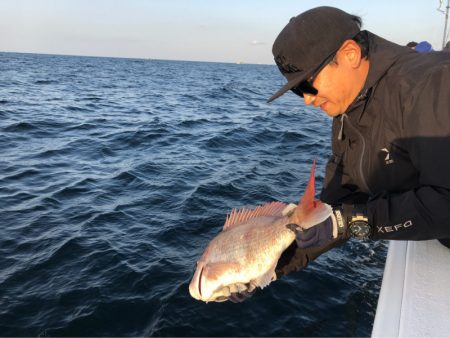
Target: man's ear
(351,51)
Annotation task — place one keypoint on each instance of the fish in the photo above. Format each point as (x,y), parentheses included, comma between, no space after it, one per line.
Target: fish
(244,255)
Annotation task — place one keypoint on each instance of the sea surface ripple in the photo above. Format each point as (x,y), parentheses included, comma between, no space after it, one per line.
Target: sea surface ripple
(116,173)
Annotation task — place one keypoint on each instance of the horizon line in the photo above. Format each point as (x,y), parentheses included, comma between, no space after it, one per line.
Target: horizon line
(136,58)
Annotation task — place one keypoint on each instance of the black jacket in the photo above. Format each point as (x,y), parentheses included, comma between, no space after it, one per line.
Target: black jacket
(391,149)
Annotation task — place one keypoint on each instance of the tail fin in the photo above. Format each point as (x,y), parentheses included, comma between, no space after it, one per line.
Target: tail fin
(310,211)
(307,202)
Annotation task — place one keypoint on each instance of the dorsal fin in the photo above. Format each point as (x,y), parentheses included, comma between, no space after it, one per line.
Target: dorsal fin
(243,215)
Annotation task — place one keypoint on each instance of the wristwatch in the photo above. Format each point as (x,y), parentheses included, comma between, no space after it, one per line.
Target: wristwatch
(359,226)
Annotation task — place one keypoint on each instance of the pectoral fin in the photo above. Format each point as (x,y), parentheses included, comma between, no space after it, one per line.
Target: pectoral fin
(267,278)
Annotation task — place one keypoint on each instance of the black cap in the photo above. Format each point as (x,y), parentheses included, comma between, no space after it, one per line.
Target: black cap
(308,40)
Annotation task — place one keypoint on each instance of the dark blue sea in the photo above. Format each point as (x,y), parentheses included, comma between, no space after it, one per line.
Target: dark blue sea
(116,173)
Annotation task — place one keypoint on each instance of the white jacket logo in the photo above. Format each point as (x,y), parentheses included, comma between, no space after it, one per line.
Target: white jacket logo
(392,228)
(387,159)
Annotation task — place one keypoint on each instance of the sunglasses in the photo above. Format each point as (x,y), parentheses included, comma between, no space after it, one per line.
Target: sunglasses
(306,86)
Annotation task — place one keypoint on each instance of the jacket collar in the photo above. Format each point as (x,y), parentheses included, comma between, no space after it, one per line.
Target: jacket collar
(382,55)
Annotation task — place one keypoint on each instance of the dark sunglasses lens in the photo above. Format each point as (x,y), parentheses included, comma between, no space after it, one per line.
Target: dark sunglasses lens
(304,88)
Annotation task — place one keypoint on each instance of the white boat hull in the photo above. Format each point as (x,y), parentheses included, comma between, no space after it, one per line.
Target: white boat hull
(414,299)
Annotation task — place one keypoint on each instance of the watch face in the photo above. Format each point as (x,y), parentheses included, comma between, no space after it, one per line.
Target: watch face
(360,229)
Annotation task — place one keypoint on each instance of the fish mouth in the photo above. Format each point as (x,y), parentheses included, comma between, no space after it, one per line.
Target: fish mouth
(196,284)
(200,282)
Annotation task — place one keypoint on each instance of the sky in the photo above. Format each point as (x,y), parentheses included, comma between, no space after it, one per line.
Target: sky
(197,30)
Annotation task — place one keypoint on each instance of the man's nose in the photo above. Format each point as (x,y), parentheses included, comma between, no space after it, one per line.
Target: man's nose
(309,98)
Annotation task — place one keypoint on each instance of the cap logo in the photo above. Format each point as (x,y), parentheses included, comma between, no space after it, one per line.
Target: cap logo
(285,67)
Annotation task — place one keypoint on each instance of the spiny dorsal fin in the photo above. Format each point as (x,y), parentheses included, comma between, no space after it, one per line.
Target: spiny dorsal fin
(243,215)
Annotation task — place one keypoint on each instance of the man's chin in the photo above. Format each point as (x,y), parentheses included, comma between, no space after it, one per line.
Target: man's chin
(326,107)
(330,111)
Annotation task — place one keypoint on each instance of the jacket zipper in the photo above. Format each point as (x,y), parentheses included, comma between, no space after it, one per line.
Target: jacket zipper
(361,172)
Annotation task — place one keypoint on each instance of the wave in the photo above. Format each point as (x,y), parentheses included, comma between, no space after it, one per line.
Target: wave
(45,82)
(20,127)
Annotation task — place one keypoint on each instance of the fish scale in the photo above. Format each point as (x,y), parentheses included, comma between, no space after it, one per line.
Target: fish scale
(229,246)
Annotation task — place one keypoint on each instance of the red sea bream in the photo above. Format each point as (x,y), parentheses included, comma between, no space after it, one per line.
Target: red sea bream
(247,250)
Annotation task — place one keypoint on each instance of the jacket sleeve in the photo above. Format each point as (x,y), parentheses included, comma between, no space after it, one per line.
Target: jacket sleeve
(423,212)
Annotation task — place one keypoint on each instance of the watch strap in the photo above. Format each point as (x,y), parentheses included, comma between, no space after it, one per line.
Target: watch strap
(342,214)
(359,213)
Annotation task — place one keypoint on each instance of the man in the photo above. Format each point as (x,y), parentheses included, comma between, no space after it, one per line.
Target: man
(412,45)
(424,47)
(389,174)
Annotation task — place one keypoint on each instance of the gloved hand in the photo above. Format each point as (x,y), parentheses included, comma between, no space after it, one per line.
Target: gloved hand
(295,258)
(316,235)
(241,292)
(313,241)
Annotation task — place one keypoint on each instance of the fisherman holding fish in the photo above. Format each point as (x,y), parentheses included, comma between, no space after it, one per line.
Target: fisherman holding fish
(388,177)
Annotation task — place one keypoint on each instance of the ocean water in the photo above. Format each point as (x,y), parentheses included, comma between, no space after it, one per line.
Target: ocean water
(116,173)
